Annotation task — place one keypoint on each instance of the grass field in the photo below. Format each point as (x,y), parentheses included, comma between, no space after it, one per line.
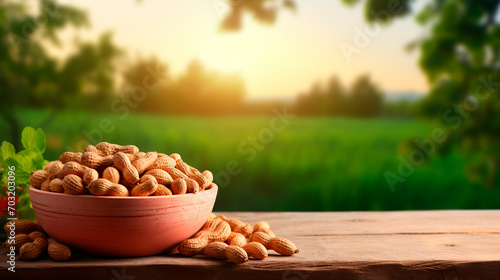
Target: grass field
(311,165)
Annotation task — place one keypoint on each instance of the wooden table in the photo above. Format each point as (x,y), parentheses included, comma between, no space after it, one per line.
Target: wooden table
(341,245)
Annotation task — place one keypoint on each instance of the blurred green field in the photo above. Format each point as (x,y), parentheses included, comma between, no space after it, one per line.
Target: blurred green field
(312,165)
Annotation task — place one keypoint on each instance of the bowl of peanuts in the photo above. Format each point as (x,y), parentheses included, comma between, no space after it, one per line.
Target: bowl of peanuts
(113,200)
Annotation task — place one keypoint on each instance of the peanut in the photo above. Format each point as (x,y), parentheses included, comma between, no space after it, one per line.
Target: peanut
(53,167)
(163,162)
(179,186)
(193,173)
(20,226)
(261,225)
(90,175)
(139,155)
(213,230)
(176,173)
(105,187)
(111,174)
(162,190)
(184,167)
(192,186)
(268,232)
(176,156)
(36,234)
(236,254)
(281,245)
(71,167)
(212,216)
(236,239)
(50,164)
(202,180)
(70,156)
(208,175)
(234,223)
(223,218)
(161,176)
(58,251)
(144,162)
(56,185)
(193,246)
(256,250)
(245,229)
(106,149)
(262,238)
(72,184)
(216,249)
(129,149)
(95,161)
(144,189)
(132,157)
(110,149)
(45,186)
(33,250)
(220,250)
(147,177)
(122,166)
(212,185)
(19,240)
(122,162)
(92,149)
(38,177)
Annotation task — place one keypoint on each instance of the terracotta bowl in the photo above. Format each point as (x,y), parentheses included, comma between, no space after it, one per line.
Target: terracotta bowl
(122,226)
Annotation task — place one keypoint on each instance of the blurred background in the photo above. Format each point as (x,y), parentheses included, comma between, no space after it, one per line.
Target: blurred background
(294,105)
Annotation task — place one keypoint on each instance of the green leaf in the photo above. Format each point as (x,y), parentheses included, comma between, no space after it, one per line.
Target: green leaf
(6,151)
(24,208)
(27,214)
(23,203)
(33,139)
(25,162)
(41,140)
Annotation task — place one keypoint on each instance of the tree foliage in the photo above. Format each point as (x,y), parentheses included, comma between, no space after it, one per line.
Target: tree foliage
(461,58)
(197,91)
(30,76)
(363,99)
(264,11)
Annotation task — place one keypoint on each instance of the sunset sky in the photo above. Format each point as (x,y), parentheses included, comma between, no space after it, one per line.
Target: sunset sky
(275,61)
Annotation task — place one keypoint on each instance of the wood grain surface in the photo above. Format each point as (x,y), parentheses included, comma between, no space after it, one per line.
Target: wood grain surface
(333,245)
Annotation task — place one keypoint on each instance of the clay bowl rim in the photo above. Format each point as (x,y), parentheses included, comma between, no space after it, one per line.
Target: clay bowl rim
(91,196)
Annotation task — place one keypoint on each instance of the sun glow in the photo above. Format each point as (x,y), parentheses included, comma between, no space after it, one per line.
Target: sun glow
(228,52)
